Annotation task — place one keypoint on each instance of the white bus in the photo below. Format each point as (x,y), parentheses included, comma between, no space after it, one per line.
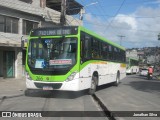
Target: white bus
(72,59)
(132,65)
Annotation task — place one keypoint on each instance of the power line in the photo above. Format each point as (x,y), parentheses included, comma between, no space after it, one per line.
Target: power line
(88,8)
(141,30)
(124,16)
(131,3)
(101,8)
(115,15)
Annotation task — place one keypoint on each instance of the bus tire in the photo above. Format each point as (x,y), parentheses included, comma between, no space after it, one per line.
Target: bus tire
(93,87)
(116,83)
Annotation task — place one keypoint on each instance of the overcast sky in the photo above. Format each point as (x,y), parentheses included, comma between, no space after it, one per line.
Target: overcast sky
(137,20)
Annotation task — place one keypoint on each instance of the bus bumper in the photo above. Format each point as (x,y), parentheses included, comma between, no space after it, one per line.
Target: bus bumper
(72,85)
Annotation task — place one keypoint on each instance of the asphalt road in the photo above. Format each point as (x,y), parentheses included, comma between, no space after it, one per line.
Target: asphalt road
(56,101)
(135,93)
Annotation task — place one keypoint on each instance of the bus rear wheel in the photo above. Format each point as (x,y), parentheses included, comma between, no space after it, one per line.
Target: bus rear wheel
(93,87)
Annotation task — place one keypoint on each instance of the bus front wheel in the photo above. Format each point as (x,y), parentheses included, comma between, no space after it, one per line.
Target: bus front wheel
(116,83)
(93,87)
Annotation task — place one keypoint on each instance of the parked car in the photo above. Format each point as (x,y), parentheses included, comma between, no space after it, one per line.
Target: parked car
(144,72)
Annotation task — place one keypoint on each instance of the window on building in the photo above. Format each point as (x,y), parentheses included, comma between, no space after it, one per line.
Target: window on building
(8,24)
(11,25)
(2,23)
(28,26)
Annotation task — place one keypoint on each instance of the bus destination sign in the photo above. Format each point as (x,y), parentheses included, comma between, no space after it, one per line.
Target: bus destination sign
(58,31)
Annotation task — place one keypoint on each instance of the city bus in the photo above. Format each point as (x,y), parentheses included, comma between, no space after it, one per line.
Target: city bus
(132,65)
(72,58)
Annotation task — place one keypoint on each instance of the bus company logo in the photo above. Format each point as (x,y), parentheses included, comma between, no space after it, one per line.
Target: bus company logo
(6,114)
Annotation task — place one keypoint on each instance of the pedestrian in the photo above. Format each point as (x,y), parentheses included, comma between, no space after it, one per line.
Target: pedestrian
(150,72)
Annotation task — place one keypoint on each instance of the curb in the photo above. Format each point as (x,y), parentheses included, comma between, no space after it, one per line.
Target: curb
(157,77)
(12,96)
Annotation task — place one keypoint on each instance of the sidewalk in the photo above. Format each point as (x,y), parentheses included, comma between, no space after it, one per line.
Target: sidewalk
(157,74)
(11,87)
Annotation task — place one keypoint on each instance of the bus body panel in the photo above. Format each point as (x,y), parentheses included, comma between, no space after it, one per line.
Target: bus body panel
(68,86)
(107,71)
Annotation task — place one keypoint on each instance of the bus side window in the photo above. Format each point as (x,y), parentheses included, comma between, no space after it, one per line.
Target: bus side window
(119,55)
(104,51)
(95,49)
(85,47)
(123,56)
(110,53)
(115,54)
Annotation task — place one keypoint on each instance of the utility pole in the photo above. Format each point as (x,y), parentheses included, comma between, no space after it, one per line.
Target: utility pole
(159,38)
(63,13)
(121,36)
(159,51)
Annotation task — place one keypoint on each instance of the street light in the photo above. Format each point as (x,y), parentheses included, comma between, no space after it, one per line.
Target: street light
(83,10)
(93,3)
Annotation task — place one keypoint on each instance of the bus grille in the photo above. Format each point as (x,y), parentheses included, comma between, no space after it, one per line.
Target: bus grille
(48,72)
(53,85)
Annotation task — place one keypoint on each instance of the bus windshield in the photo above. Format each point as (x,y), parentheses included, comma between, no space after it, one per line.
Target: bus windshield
(52,52)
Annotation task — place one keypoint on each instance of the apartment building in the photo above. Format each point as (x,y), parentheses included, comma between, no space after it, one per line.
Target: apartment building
(17,18)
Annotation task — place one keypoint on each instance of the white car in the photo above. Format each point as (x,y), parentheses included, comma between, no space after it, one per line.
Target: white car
(144,72)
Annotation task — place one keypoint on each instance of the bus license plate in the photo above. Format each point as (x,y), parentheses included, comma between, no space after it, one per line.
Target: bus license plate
(47,88)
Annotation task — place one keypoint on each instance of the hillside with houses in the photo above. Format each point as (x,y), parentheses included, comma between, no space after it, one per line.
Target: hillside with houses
(147,56)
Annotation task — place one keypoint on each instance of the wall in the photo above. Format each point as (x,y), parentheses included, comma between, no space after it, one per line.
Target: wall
(1,64)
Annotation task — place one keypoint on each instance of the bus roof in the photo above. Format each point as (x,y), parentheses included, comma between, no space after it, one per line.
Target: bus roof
(100,37)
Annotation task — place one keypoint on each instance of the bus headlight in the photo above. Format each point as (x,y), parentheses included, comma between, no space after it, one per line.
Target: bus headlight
(71,77)
(28,76)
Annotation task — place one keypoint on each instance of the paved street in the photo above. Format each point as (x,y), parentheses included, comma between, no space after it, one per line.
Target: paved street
(15,100)
(135,93)
(62,101)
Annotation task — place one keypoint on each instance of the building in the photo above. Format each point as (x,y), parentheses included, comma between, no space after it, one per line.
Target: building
(132,53)
(17,18)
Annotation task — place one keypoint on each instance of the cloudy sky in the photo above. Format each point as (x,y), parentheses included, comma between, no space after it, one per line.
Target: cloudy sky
(137,20)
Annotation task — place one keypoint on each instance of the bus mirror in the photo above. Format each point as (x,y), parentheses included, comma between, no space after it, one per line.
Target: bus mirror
(24,44)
